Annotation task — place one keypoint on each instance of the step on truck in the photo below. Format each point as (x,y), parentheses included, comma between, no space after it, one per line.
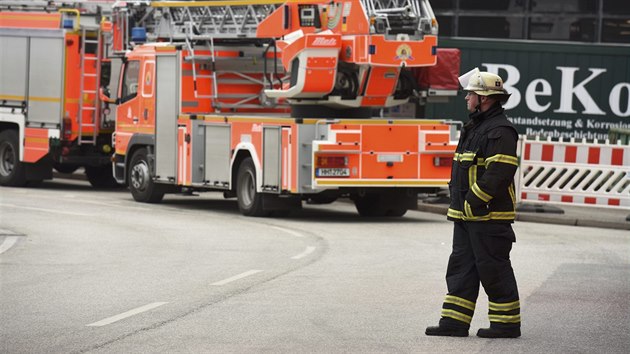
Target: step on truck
(272,103)
(52,62)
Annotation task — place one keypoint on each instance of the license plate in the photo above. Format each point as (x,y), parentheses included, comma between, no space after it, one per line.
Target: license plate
(332,172)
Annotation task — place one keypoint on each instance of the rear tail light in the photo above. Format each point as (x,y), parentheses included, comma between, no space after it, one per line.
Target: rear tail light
(331,166)
(332,161)
(441,161)
(66,128)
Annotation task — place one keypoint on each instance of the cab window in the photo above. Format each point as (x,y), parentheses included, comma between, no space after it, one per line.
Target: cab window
(130,81)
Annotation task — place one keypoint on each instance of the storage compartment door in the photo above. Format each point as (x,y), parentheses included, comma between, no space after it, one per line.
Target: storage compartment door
(166,111)
(217,161)
(272,162)
(45,80)
(13,69)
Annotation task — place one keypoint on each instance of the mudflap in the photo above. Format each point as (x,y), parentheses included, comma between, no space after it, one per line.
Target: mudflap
(40,170)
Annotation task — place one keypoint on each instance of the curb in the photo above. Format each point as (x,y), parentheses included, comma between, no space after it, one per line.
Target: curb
(557,219)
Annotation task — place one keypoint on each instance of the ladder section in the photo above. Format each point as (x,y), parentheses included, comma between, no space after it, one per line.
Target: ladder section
(178,21)
(392,17)
(89,104)
(87,7)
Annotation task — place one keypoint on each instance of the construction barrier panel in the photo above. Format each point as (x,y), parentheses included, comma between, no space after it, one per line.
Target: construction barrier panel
(576,173)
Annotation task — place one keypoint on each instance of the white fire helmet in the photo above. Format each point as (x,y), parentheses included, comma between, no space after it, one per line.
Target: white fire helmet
(483,83)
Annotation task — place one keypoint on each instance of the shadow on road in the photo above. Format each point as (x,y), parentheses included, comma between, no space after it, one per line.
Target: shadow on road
(307,214)
(213,202)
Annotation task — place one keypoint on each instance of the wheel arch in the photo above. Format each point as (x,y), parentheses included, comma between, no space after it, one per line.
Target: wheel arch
(138,141)
(241,152)
(13,122)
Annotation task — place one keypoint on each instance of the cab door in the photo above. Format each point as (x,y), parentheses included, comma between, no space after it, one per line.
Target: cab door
(135,113)
(128,108)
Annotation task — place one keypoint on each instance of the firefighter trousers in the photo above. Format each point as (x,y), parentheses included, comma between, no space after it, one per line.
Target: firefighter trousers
(481,253)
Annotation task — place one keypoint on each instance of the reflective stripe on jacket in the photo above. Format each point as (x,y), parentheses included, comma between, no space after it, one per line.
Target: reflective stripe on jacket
(485,161)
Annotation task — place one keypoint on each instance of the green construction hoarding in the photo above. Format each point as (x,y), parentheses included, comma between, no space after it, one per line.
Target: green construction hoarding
(559,90)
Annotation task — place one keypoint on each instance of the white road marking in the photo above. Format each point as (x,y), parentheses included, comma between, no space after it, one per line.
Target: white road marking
(237,277)
(290,232)
(306,252)
(8,242)
(124,315)
(47,210)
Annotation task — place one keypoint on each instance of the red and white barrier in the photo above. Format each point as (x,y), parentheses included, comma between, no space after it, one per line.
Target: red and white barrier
(575,173)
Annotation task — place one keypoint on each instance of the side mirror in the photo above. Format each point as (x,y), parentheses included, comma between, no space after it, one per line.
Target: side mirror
(103,95)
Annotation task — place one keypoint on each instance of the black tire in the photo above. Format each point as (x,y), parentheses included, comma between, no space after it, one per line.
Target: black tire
(101,176)
(12,170)
(374,205)
(250,202)
(65,168)
(396,212)
(141,184)
(322,198)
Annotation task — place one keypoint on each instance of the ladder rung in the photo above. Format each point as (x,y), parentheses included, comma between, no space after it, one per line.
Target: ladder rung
(199,57)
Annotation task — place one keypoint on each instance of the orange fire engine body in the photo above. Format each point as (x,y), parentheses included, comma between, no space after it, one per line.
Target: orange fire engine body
(163,146)
(50,114)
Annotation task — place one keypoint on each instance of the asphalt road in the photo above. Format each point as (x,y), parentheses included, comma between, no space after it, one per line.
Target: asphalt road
(83,270)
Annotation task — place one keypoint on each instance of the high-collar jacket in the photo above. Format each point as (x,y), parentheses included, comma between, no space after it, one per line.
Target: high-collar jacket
(482,177)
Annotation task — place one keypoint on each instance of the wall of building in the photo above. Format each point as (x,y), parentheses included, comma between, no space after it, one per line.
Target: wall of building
(559,89)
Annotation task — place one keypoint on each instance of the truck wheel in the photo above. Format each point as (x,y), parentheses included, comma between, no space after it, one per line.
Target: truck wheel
(374,205)
(250,202)
(140,181)
(322,198)
(65,168)
(100,176)
(12,171)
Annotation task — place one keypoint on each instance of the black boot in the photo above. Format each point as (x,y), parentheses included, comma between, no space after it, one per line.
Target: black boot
(499,333)
(446,331)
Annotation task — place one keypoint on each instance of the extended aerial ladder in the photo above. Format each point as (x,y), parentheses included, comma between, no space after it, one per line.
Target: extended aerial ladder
(338,54)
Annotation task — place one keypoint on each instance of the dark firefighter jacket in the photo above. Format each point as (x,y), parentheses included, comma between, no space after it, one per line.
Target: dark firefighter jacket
(482,178)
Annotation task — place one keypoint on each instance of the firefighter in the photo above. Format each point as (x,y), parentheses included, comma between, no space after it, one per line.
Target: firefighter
(483,209)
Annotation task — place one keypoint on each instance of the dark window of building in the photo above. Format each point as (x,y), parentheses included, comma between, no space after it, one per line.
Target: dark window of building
(446,5)
(562,28)
(616,31)
(489,27)
(616,7)
(446,25)
(559,6)
(554,20)
(490,5)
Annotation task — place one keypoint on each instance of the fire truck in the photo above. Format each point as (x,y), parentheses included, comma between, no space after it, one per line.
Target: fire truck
(271,102)
(52,62)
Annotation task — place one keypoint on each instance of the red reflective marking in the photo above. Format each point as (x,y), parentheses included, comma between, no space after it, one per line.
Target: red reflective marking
(570,154)
(528,148)
(547,153)
(567,199)
(523,195)
(614,201)
(617,157)
(593,155)
(590,200)
(543,197)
